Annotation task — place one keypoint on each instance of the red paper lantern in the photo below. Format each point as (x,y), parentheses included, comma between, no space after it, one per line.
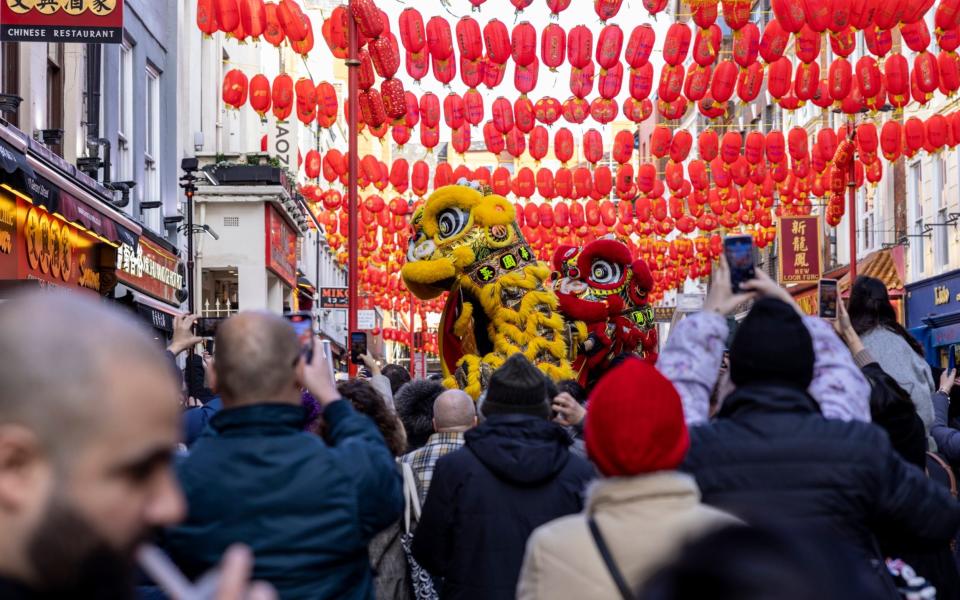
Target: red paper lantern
(502,113)
(660,141)
(563,145)
(400,134)
(385,55)
(227,14)
(676,44)
(294,21)
(273,30)
(306,100)
(603,110)
(680,145)
(469,39)
(592,146)
(671,82)
(611,81)
(523,44)
(563,182)
(575,110)
(817,14)
(453,110)
(412,33)
(708,145)
(622,146)
(915,35)
(234,90)
(557,6)
(936,130)
(807,81)
(879,41)
(641,82)
(545,185)
(582,182)
(606,9)
(843,42)
(526,184)
(746,45)
(891,136)
(724,80)
(312,164)
(637,111)
(779,78)
(282,93)
(807,44)
(553,46)
(516,142)
(525,77)
(609,44)
(496,38)
(639,46)
(949,72)
(927,72)
(775,145)
(460,139)
(260,94)
(706,45)
(730,147)
(539,143)
(579,46)
(206,17)
(581,81)
(547,110)
(750,82)
(439,38)
(602,181)
(790,14)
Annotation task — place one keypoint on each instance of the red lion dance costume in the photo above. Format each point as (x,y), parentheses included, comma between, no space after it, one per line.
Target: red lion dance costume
(602,286)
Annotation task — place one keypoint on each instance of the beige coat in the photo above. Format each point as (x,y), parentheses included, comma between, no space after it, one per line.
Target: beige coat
(645,520)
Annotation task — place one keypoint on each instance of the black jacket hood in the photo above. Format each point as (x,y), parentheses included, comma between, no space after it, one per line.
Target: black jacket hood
(521,449)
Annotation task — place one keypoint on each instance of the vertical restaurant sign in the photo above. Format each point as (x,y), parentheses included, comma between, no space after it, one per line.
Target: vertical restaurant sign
(281,246)
(800,249)
(78,21)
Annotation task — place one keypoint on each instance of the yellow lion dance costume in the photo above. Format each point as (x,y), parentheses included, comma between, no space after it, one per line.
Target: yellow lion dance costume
(469,244)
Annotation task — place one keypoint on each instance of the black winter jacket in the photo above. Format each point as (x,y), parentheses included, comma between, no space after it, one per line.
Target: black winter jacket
(773,459)
(514,474)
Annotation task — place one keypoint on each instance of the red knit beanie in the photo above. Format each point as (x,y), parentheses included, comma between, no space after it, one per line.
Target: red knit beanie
(635,422)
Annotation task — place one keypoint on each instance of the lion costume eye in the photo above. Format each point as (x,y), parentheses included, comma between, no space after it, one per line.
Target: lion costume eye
(451,221)
(605,273)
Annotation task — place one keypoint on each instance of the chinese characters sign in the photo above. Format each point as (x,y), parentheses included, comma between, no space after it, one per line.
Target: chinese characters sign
(150,269)
(800,249)
(281,246)
(80,21)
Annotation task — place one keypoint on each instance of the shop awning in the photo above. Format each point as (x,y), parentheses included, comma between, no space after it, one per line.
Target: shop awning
(12,160)
(78,212)
(885,265)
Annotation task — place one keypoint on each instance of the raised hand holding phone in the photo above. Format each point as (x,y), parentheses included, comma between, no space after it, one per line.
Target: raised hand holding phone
(228,581)
(317,378)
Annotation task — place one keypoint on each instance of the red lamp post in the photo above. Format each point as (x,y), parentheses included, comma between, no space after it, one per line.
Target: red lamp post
(353,65)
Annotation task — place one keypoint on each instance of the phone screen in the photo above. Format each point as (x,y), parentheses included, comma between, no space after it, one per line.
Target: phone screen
(207,326)
(739,252)
(828,298)
(302,323)
(358,346)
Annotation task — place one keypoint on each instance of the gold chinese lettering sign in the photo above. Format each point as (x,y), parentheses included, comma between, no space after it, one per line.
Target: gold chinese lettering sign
(800,244)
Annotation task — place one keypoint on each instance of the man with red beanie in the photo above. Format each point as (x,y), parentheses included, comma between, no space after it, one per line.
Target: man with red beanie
(641,514)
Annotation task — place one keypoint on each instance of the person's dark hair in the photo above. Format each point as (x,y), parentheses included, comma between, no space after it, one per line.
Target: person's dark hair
(741,563)
(397,376)
(573,388)
(414,404)
(367,400)
(870,308)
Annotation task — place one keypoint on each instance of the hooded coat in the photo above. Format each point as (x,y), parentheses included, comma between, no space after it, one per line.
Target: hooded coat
(514,473)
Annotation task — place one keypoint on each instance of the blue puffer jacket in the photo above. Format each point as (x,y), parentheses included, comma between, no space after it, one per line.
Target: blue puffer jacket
(307,510)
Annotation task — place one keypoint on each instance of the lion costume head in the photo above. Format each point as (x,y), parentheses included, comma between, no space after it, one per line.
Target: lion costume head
(469,244)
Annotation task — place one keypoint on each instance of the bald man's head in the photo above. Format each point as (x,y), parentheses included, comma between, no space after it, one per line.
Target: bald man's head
(256,359)
(61,352)
(454,410)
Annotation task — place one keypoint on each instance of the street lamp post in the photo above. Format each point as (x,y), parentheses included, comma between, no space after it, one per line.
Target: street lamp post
(187,182)
(353,64)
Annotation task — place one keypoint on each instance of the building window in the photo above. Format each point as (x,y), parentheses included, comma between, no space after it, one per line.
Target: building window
(942,231)
(124,166)
(866,210)
(915,192)
(151,150)
(55,91)
(10,75)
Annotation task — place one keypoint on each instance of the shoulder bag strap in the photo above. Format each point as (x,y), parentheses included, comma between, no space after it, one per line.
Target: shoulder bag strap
(618,579)
(411,497)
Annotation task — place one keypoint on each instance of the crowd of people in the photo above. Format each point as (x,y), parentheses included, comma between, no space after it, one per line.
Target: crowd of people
(794,458)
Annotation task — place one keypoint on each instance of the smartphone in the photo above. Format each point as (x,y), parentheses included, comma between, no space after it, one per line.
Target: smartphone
(327,351)
(358,346)
(829,296)
(303,325)
(951,358)
(207,326)
(740,258)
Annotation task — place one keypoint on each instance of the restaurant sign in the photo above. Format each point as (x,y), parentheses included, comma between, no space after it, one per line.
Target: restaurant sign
(800,249)
(281,248)
(150,269)
(77,21)
(334,297)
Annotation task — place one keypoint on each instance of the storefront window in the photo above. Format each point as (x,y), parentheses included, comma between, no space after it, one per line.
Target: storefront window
(915,191)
